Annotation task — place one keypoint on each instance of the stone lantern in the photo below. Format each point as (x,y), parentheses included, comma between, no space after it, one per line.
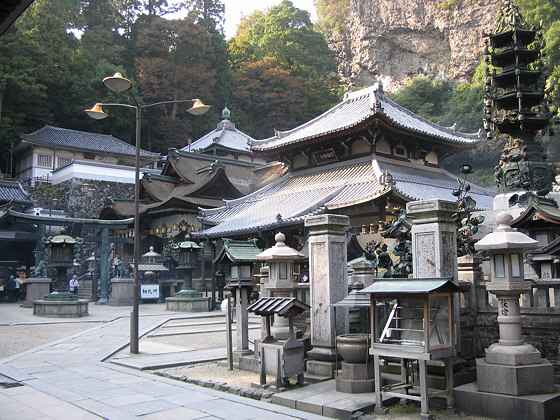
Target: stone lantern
(188,251)
(280,280)
(62,258)
(511,366)
(240,256)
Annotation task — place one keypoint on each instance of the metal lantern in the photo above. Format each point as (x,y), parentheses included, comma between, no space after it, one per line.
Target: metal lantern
(62,258)
(188,251)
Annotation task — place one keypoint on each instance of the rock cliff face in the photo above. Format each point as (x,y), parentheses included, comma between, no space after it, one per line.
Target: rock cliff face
(394,40)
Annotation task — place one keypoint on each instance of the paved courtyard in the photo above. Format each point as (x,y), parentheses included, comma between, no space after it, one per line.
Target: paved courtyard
(66,375)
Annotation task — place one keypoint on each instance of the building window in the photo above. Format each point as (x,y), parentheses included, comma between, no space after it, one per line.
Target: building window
(44,161)
(63,161)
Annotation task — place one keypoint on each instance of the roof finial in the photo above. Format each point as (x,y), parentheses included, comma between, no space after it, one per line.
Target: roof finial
(226,113)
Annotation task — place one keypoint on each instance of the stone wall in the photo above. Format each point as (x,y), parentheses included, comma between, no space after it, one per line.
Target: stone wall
(72,199)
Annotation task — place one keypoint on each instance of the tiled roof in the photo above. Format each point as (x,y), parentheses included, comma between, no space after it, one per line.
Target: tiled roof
(13,191)
(238,251)
(293,197)
(80,140)
(356,108)
(225,135)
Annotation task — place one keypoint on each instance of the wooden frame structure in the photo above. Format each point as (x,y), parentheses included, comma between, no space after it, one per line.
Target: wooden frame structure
(412,320)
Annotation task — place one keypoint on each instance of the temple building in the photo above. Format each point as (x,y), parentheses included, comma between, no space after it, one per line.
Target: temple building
(215,167)
(364,158)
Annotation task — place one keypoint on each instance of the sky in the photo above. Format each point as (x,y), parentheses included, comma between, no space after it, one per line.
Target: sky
(236,9)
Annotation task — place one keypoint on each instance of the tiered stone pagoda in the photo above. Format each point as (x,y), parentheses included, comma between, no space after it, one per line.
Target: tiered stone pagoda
(515,105)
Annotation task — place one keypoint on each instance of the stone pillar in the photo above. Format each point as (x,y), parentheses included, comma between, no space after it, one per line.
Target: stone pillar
(122,291)
(434,245)
(104,266)
(434,238)
(40,245)
(36,288)
(469,270)
(242,322)
(328,285)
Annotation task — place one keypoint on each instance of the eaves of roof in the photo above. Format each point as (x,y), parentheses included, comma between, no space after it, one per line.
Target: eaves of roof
(357,109)
(83,141)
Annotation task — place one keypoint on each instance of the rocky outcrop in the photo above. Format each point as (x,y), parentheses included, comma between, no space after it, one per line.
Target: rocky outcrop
(394,40)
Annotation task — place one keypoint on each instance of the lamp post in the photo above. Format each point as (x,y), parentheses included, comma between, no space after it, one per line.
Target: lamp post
(117,83)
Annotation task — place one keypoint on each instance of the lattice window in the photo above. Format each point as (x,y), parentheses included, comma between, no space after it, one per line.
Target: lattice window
(44,161)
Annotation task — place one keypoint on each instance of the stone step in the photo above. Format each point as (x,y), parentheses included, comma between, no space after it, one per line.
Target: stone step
(314,379)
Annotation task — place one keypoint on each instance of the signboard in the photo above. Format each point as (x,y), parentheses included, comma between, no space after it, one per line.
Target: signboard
(149,291)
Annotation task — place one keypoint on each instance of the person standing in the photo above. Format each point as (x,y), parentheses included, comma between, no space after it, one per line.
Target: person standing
(11,289)
(73,283)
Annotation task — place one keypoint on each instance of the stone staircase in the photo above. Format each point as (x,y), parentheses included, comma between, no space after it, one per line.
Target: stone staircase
(85,288)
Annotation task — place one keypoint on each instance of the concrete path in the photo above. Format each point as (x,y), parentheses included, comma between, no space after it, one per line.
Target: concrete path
(70,379)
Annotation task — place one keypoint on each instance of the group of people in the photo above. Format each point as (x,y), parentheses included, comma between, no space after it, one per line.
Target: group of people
(11,288)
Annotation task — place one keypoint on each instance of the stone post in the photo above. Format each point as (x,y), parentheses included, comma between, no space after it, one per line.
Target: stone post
(36,288)
(434,245)
(242,322)
(104,266)
(434,238)
(328,284)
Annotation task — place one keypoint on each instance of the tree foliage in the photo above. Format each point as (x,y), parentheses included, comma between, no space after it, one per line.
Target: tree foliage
(281,42)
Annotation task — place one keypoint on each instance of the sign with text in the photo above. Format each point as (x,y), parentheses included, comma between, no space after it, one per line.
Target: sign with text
(149,291)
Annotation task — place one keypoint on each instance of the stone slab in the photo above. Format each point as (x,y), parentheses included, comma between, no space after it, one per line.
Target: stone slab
(535,407)
(200,304)
(61,309)
(515,380)
(159,361)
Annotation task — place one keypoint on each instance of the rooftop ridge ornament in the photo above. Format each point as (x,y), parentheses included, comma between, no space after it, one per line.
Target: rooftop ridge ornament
(515,103)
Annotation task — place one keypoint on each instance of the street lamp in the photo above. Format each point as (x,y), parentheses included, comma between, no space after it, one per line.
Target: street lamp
(117,83)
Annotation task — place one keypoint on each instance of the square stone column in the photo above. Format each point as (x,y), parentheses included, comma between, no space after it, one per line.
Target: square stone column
(434,245)
(328,274)
(434,238)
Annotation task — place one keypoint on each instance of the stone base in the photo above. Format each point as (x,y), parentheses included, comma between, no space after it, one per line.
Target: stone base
(524,354)
(200,304)
(250,363)
(355,378)
(122,291)
(36,288)
(536,407)
(317,370)
(241,354)
(515,380)
(61,309)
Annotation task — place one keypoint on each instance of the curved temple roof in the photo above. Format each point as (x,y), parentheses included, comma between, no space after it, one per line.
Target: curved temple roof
(290,199)
(226,136)
(356,108)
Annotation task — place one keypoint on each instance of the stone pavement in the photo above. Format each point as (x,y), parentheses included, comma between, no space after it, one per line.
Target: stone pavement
(71,378)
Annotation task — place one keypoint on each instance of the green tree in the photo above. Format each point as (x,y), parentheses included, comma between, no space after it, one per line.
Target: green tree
(426,97)
(269,96)
(286,32)
(176,63)
(332,15)
(284,38)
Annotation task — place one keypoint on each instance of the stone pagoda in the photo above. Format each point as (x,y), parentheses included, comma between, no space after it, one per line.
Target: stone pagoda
(515,105)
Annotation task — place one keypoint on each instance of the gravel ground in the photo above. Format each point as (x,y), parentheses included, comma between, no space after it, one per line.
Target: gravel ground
(201,340)
(217,373)
(15,339)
